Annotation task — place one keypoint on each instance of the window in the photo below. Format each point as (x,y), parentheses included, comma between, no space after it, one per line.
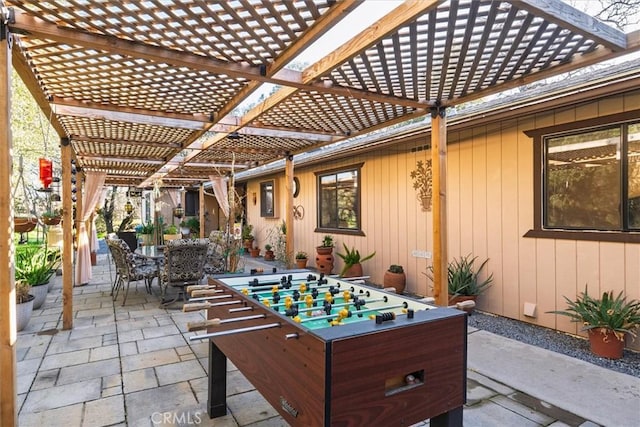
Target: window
(339,200)
(589,180)
(267,199)
(192,203)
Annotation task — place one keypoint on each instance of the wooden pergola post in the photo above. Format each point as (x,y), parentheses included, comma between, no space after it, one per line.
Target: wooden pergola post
(8,385)
(439,197)
(67,235)
(201,208)
(289,208)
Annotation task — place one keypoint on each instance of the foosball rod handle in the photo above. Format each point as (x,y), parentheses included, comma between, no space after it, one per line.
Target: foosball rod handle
(462,305)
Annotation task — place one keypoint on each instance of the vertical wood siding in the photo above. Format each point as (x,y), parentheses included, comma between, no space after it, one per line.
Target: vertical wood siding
(490,207)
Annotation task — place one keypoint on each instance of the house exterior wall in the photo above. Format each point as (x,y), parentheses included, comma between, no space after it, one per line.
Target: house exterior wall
(489,208)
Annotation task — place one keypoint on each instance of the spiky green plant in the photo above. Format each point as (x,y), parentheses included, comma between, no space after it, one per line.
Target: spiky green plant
(609,312)
(352,257)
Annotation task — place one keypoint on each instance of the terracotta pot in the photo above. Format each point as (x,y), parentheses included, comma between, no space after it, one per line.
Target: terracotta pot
(354,271)
(269,255)
(94,258)
(604,343)
(324,263)
(395,280)
(301,262)
(24,224)
(255,252)
(324,250)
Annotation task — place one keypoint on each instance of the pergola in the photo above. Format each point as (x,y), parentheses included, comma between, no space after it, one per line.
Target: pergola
(146,90)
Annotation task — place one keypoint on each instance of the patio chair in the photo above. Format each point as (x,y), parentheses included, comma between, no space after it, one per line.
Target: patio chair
(184,261)
(129,268)
(216,262)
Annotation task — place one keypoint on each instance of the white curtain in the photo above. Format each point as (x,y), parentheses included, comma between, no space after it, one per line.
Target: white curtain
(94,182)
(219,185)
(94,243)
(174,196)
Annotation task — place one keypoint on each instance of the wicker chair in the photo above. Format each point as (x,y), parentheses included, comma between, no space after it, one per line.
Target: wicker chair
(129,268)
(184,261)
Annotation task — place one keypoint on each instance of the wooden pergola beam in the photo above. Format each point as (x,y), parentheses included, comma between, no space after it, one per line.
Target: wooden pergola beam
(563,15)
(114,114)
(81,138)
(72,107)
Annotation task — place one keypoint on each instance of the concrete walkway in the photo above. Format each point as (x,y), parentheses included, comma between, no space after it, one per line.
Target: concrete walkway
(135,366)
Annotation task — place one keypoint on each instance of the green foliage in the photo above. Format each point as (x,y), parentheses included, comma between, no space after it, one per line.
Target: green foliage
(462,278)
(55,213)
(396,269)
(301,255)
(352,257)
(267,247)
(617,314)
(171,229)
(247,231)
(145,228)
(194,224)
(35,265)
(327,241)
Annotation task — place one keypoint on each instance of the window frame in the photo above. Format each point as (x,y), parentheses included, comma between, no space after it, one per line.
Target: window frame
(538,136)
(335,171)
(264,202)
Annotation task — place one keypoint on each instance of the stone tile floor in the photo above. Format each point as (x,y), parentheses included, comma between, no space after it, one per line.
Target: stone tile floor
(134,365)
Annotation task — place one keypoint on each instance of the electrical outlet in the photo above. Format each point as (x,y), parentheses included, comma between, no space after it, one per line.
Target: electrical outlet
(420,254)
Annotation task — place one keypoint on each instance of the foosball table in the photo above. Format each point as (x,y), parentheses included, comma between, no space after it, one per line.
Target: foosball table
(329,352)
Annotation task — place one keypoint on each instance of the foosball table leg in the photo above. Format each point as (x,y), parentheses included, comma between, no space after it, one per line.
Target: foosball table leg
(217,402)
(452,418)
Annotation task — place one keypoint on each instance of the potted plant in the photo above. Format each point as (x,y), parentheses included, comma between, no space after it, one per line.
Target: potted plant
(394,277)
(24,304)
(607,320)
(301,259)
(35,267)
(171,232)
(193,224)
(268,253)
(247,237)
(327,245)
(254,251)
(145,231)
(324,256)
(352,262)
(51,217)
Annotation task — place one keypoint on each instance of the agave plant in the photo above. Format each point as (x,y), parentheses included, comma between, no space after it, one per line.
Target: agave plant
(352,257)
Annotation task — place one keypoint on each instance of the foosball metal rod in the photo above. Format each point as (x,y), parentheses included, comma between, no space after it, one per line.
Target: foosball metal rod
(235,331)
(349,279)
(341,304)
(280,286)
(205,305)
(366,310)
(205,324)
(209,298)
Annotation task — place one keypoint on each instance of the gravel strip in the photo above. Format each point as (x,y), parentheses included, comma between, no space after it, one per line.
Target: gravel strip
(553,340)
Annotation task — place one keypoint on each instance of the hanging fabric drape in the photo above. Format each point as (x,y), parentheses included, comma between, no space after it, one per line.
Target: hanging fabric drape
(93,242)
(219,185)
(94,182)
(174,196)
